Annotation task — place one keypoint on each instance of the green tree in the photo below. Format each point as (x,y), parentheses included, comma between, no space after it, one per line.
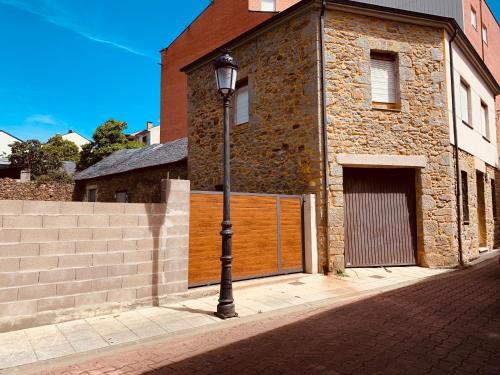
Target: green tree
(108,138)
(30,155)
(63,149)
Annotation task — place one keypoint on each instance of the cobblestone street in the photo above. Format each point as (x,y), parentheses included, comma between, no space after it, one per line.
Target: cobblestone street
(447,325)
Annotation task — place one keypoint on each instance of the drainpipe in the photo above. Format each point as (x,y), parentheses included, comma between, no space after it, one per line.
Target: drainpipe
(324,129)
(457,164)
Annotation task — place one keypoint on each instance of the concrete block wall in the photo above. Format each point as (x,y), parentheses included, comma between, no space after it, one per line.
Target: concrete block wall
(65,260)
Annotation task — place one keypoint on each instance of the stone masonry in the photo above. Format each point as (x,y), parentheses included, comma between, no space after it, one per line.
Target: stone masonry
(65,260)
(279,150)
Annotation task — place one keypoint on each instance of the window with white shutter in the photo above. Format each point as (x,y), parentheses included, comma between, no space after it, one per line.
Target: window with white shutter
(465,103)
(384,80)
(485,127)
(473,18)
(268,5)
(242,107)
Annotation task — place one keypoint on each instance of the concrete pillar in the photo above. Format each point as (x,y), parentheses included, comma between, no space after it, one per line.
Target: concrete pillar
(310,235)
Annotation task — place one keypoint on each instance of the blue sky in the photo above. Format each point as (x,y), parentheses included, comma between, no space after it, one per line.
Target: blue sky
(72,64)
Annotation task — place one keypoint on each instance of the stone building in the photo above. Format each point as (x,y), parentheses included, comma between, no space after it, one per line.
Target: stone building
(384,136)
(133,176)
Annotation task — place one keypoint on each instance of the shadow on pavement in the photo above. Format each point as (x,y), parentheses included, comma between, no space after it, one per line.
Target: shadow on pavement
(446,325)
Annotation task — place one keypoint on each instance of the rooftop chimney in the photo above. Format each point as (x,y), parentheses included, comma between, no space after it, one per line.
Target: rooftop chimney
(149,125)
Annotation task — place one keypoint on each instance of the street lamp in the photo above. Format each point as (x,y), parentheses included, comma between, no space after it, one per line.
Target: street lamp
(226,71)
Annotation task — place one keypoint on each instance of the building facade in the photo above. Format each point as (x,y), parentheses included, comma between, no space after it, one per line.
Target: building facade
(6,140)
(76,138)
(148,136)
(389,196)
(220,22)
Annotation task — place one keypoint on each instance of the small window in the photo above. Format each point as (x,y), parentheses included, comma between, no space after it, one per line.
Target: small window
(268,5)
(92,195)
(473,18)
(121,197)
(485,35)
(465,103)
(485,126)
(465,197)
(494,199)
(242,115)
(383,79)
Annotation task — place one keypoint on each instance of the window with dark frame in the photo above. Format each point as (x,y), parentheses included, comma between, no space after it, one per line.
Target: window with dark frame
(384,80)
(465,197)
(92,195)
(121,196)
(494,199)
(485,126)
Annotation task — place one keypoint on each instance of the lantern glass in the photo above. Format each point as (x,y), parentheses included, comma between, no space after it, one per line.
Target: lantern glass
(226,79)
(226,71)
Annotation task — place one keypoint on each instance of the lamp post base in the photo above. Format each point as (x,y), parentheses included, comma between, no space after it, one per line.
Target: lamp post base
(226,311)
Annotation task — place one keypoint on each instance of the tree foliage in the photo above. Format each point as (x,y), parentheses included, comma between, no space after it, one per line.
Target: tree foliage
(63,149)
(108,138)
(32,156)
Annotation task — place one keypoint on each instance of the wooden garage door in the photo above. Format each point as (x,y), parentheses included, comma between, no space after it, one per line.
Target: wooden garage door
(380,217)
(267,237)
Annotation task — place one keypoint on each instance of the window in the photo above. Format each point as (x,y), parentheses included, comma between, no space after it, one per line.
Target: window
(473,18)
(485,127)
(92,194)
(465,197)
(121,197)
(241,109)
(485,35)
(145,139)
(465,103)
(383,77)
(494,199)
(268,5)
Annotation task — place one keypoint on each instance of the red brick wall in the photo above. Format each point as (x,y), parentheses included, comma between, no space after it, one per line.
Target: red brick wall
(491,51)
(219,23)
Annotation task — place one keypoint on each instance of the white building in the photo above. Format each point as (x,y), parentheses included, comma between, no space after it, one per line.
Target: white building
(148,136)
(76,138)
(6,139)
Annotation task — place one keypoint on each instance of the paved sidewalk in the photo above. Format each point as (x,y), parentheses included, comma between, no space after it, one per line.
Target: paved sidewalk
(444,325)
(252,297)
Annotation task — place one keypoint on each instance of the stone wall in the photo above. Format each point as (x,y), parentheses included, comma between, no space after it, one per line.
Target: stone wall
(470,230)
(13,189)
(66,260)
(142,186)
(279,149)
(418,128)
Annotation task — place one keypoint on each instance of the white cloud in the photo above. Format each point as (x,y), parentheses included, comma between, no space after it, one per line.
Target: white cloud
(58,16)
(38,126)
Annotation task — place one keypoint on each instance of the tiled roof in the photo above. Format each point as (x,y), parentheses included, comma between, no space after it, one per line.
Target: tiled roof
(129,160)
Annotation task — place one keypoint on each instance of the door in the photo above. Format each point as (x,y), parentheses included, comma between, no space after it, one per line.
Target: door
(380,217)
(481,210)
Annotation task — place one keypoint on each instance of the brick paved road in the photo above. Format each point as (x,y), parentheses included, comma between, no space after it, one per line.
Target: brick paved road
(446,326)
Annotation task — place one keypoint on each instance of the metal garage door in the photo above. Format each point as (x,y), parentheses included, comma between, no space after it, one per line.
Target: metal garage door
(380,217)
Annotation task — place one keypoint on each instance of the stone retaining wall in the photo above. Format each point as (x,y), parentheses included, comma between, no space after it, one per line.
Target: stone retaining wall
(13,189)
(65,260)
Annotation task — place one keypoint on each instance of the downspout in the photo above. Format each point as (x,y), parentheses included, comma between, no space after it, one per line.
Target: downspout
(324,131)
(457,164)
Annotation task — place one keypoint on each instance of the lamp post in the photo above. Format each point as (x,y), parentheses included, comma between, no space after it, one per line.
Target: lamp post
(226,71)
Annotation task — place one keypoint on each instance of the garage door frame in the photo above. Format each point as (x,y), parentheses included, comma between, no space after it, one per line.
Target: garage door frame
(360,249)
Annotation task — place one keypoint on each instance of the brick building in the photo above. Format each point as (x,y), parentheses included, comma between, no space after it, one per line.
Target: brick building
(220,22)
(397,87)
